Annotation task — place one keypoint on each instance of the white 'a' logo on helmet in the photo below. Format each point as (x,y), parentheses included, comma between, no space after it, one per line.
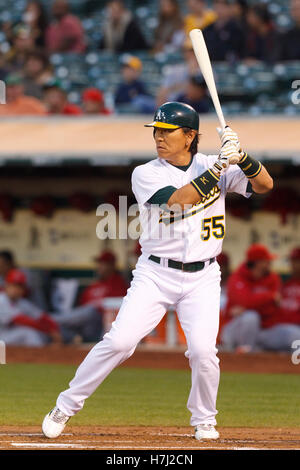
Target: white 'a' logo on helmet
(160,115)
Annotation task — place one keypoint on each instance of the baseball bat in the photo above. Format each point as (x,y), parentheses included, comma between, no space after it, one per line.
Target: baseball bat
(204,63)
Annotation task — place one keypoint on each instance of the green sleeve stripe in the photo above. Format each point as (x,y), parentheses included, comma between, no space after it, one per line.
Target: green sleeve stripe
(249,188)
(162,195)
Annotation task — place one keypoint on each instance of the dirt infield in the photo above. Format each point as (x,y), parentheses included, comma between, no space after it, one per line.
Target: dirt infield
(162,359)
(155,438)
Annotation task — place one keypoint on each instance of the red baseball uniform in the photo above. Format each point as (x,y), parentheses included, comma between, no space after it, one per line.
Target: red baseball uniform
(290,302)
(258,295)
(114,286)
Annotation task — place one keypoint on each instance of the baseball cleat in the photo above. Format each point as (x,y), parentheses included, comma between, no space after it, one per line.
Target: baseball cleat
(54,423)
(206,431)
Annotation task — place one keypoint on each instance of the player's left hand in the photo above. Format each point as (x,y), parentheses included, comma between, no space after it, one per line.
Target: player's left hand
(229,134)
(229,155)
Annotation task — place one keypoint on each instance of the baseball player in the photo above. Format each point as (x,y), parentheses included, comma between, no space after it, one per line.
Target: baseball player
(181,197)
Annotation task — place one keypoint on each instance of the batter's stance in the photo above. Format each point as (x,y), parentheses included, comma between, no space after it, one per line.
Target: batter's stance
(181,197)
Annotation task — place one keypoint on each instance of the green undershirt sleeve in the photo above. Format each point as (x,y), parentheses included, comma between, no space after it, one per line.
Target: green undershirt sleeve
(249,188)
(162,195)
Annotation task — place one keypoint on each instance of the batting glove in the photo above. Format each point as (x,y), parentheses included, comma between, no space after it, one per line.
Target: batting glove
(229,154)
(228,134)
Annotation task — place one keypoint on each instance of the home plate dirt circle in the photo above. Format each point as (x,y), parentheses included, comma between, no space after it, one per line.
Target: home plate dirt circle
(155,438)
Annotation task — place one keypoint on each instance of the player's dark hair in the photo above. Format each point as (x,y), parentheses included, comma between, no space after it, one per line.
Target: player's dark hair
(194,145)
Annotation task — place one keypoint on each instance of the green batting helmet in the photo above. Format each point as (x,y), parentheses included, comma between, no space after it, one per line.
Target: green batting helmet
(173,115)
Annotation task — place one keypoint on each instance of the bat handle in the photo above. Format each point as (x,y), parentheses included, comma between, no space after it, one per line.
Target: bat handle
(222,122)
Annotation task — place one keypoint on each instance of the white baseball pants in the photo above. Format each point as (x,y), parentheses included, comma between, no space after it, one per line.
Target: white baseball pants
(154,288)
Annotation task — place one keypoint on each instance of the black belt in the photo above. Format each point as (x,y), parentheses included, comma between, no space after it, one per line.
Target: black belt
(187,267)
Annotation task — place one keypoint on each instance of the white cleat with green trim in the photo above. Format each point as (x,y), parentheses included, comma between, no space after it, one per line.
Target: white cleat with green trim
(54,423)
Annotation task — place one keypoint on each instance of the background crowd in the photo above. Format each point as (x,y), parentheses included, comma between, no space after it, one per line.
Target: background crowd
(236,31)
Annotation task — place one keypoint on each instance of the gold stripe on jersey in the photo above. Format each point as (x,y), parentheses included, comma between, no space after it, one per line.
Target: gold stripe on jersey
(215,190)
(170,219)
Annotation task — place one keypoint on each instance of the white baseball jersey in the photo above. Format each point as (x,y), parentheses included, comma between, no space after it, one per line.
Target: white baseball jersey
(196,234)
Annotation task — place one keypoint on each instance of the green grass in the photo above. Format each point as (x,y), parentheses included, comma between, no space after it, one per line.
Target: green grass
(148,397)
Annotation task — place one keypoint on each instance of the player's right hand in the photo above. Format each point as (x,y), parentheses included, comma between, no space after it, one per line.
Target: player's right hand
(229,134)
(229,154)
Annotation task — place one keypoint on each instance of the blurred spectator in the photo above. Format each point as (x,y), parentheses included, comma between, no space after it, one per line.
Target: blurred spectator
(21,43)
(199,16)
(65,33)
(224,38)
(35,17)
(175,76)
(37,72)
(109,284)
(21,322)
(93,102)
(253,295)
(262,41)
(195,94)
(290,300)
(17,103)
(286,328)
(169,34)
(7,263)
(121,32)
(132,90)
(4,68)
(56,100)
(290,49)
(239,9)
(35,289)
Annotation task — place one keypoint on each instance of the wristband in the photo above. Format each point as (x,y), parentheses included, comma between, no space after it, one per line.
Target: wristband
(205,182)
(250,166)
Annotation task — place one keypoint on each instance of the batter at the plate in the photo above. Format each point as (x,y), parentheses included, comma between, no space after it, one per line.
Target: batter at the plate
(181,196)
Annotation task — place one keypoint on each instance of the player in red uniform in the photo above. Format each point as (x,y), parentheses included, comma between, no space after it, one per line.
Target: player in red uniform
(290,301)
(109,284)
(286,328)
(253,295)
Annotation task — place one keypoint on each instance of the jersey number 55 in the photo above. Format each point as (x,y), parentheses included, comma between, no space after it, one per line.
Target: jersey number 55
(213,225)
